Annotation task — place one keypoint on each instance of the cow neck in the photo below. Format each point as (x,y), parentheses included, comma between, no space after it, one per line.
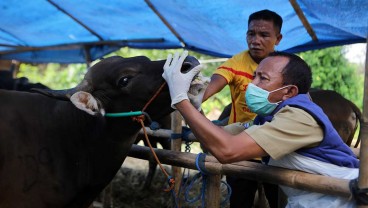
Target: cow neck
(139,117)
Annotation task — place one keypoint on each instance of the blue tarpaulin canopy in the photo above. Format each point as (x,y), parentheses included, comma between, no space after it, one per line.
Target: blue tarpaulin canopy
(76,31)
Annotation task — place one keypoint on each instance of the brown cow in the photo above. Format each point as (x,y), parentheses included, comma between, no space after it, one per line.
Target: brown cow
(344,115)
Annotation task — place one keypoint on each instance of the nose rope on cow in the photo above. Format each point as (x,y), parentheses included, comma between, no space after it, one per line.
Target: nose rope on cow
(139,116)
(141,119)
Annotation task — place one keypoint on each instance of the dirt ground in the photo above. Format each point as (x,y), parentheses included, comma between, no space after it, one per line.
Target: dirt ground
(127,189)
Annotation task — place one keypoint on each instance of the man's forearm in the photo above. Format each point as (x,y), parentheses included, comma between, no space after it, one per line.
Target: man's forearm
(211,136)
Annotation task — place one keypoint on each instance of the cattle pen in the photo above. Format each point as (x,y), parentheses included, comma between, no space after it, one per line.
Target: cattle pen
(248,170)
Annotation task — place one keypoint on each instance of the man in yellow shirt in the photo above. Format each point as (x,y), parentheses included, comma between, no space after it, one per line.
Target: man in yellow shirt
(263,34)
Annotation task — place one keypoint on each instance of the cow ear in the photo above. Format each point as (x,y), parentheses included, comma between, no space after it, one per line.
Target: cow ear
(86,102)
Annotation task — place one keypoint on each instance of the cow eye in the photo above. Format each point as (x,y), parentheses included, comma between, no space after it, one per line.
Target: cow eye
(123,82)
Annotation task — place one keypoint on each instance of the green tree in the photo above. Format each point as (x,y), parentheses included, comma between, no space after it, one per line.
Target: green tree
(332,71)
(55,76)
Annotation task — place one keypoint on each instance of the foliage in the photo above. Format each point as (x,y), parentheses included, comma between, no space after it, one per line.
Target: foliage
(55,76)
(332,71)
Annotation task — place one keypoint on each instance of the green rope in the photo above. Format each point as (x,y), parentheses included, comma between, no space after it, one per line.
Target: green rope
(133,113)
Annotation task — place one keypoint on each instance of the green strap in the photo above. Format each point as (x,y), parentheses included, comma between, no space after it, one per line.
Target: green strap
(133,113)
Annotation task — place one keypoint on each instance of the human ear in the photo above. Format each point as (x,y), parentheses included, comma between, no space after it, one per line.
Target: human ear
(278,39)
(291,92)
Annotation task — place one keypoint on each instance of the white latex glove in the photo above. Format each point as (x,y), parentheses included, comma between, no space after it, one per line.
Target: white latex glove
(178,82)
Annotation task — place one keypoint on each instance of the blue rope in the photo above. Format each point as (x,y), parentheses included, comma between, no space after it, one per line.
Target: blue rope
(229,192)
(175,136)
(200,159)
(185,133)
(201,195)
(360,195)
(203,173)
(173,192)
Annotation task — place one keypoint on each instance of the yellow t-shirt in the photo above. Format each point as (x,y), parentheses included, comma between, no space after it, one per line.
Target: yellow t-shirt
(238,71)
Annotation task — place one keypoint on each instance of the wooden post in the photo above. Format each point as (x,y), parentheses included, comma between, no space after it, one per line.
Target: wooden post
(176,127)
(213,194)
(363,170)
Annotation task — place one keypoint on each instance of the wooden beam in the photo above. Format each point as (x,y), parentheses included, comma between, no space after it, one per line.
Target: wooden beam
(20,49)
(251,170)
(165,22)
(75,19)
(304,20)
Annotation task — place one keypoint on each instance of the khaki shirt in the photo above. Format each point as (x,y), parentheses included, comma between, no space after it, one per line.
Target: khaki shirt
(291,129)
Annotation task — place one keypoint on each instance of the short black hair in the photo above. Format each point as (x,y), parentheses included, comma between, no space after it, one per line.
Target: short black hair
(296,72)
(267,15)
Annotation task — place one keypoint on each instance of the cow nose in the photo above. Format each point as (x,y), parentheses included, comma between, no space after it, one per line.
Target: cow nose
(189,63)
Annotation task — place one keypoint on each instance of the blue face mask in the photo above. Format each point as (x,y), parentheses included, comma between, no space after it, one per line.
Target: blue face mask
(257,100)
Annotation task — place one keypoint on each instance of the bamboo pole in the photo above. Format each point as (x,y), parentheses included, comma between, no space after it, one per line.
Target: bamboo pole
(176,124)
(363,170)
(213,194)
(253,171)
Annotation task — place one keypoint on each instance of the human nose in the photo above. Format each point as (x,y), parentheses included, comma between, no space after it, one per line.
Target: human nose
(254,39)
(255,81)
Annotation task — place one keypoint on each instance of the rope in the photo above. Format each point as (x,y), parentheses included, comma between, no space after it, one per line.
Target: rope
(202,192)
(229,192)
(201,175)
(200,159)
(139,116)
(200,164)
(185,133)
(154,96)
(175,136)
(171,180)
(124,114)
(360,195)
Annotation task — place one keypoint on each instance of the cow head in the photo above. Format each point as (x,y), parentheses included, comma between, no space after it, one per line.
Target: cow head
(117,84)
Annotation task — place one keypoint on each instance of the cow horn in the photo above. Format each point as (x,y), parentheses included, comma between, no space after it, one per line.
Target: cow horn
(63,94)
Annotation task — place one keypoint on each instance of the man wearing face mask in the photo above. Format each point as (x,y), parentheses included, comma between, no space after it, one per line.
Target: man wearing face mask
(264,33)
(291,130)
